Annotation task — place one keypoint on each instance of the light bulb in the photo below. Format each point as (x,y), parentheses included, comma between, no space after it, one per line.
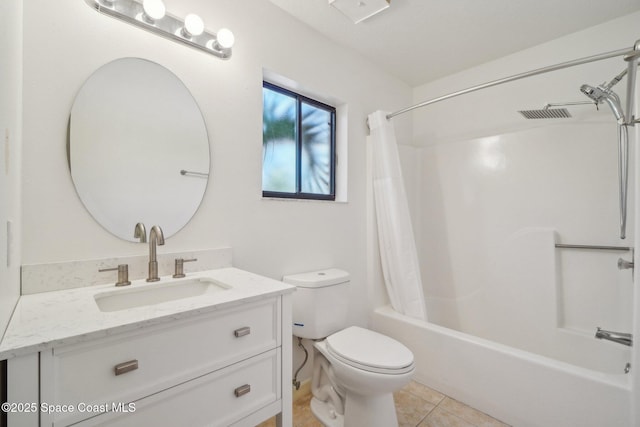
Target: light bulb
(225,38)
(154,9)
(193,25)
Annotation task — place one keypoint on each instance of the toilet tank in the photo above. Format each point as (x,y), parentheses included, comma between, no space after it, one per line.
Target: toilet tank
(320,303)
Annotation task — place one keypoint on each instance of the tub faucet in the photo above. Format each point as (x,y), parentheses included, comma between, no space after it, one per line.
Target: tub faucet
(155,237)
(619,337)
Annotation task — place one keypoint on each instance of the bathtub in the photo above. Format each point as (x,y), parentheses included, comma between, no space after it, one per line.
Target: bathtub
(515,386)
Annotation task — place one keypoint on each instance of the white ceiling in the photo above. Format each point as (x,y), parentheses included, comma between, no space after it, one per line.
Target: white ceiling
(421,40)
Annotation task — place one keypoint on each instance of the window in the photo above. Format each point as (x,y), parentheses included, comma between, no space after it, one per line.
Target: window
(298,145)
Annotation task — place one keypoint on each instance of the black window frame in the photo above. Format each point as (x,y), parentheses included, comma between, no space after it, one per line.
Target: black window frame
(332,110)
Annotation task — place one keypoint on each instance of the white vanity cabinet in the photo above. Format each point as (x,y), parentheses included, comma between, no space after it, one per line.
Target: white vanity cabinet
(228,366)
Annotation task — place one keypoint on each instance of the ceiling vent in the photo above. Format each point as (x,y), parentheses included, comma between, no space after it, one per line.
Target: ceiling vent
(359,10)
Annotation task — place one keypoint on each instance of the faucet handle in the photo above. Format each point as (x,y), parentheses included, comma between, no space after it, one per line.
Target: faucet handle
(180,266)
(123,274)
(624,264)
(140,232)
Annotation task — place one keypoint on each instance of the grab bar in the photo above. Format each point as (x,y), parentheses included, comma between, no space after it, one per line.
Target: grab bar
(594,247)
(200,174)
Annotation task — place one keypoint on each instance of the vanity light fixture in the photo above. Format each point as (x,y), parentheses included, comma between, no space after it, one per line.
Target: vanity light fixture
(224,40)
(193,26)
(151,15)
(152,10)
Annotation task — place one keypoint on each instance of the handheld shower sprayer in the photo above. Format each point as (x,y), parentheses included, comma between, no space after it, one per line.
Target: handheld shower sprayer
(601,94)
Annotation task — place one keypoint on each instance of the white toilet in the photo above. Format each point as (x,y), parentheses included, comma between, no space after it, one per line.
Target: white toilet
(355,370)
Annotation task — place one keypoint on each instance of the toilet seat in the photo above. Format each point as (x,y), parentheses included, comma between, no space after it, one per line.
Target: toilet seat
(370,351)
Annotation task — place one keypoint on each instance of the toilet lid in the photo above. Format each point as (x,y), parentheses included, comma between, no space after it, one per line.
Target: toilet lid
(370,351)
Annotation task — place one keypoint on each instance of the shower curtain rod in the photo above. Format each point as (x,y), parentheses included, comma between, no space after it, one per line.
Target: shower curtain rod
(627,52)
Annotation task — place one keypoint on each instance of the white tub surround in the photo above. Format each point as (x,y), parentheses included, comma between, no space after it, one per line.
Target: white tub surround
(220,357)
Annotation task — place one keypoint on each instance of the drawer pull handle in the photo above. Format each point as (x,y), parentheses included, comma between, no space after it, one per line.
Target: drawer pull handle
(242,390)
(242,332)
(124,367)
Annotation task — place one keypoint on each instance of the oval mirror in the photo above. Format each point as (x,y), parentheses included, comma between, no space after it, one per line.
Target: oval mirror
(138,148)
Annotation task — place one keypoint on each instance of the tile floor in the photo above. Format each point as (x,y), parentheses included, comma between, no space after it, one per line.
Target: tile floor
(416,405)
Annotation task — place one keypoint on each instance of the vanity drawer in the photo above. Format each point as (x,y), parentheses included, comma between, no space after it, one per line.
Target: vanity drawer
(215,400)
(127,367)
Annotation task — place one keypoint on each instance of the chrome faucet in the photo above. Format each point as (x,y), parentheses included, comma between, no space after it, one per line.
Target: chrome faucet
(155,237)
(619,337)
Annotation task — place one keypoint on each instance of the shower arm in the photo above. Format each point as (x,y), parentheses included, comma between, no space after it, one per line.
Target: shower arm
(630,55)
(614,81)
(564,104)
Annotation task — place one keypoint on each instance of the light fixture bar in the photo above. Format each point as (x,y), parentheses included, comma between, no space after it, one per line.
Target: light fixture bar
(168,26)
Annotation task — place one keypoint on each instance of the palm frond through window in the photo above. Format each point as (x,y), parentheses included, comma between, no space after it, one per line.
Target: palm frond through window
(298,143)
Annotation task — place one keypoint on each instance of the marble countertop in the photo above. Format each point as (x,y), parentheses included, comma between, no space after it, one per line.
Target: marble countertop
(45,320)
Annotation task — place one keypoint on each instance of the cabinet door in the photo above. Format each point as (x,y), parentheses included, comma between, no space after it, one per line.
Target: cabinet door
(216,399)
(22,391)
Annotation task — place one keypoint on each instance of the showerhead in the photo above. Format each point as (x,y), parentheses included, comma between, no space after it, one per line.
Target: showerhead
(546,113)
(599,94)
(595,93)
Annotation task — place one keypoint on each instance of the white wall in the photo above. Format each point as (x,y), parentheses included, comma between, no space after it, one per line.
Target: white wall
(66,41)
(495,191)
(10,147)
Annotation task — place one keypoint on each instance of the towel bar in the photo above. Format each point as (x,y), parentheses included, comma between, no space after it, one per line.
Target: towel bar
(594,247)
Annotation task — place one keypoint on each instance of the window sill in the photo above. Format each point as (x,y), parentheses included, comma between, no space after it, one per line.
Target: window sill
(294,200)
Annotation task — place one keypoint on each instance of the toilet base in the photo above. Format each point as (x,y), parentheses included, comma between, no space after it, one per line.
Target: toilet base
(325,414)
(370,411)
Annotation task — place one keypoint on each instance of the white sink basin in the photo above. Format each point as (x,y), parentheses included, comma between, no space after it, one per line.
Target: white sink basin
(156,293)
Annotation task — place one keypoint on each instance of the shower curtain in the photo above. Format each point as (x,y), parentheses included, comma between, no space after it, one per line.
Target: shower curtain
(398,254)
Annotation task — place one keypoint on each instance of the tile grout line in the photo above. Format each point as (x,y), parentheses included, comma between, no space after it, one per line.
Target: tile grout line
(438,405)
(434,405)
